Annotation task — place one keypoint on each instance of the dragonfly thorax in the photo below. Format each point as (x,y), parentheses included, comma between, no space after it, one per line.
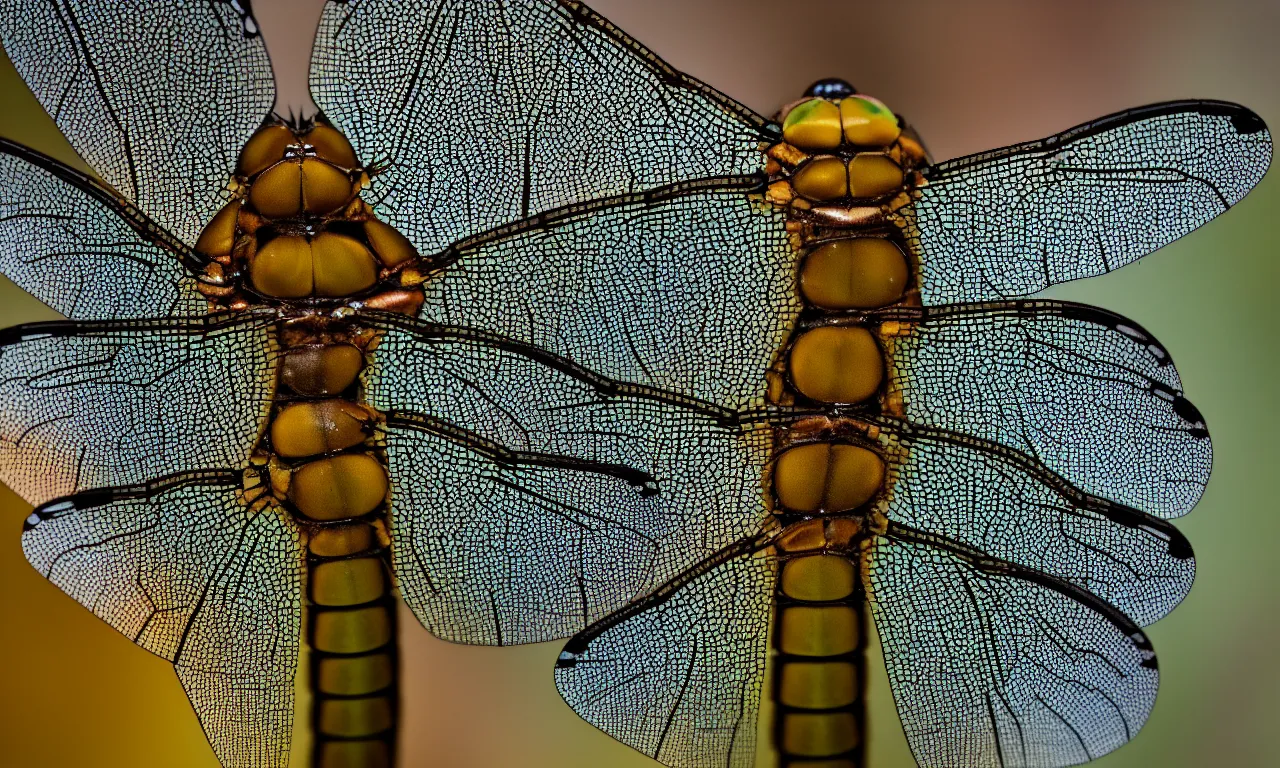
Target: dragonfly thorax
(296,226)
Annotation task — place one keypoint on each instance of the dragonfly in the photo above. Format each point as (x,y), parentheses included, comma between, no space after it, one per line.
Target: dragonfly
(575,332)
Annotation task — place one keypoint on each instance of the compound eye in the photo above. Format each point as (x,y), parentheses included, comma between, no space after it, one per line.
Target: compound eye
(831,88)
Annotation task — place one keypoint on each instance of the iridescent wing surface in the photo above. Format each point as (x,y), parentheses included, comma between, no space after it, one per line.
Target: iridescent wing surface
(158,98)
(1031,597)
(1016,220)
(84,250)
(185,570)
(488,113)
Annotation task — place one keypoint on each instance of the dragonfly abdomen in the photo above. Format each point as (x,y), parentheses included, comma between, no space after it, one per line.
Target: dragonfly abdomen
(817,660)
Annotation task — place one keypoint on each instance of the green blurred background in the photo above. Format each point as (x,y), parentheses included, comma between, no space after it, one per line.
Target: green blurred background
(970,77)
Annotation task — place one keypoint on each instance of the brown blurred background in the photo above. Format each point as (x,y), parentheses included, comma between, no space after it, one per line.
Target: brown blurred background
(970,77)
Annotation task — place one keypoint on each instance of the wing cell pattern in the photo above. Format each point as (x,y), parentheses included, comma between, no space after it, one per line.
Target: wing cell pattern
(90,405)
(157,98)
(78,247)
(681,680)
(992,665)
(653,482)
(1086,392)
(509,109)
(996,502)
(1014,221)
(183,568)
(644,289)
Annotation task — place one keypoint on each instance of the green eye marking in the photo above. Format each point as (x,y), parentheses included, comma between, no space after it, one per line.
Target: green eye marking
(802,112)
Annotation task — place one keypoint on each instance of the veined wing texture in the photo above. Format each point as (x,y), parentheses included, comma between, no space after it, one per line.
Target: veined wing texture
(564,493)
(688,288)
(997,501)
(158,98)
(992,663)
(510,109)
(679,675)
(113,403)
(649,464)
(183,568)
(1013,221)
(995,664)
(83,249)
(1087,392)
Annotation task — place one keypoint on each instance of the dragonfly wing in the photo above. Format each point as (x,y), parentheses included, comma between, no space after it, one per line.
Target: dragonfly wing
(105,404)
(184,569)
(1086,392)
(81,248)
(991,499)
(993,664)
(690,289)
(679,675)
(512,109)
(1014,221)
(566,494)
(157,98)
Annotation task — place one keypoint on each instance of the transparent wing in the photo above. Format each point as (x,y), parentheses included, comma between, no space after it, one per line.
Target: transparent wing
(87,405)
(485,113)
(1086,392)
(690,289)
(157,97)
(184,569)
(679,675)
(995,500)
(1014,221)
(82,249)
(996,665)
(565,495)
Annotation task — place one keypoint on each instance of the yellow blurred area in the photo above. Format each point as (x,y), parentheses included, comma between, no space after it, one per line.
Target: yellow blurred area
(969,77)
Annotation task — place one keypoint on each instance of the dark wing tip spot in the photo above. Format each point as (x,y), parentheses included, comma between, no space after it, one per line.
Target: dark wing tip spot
(567,660)
(1189,413)
(1180,548)
(1247,122)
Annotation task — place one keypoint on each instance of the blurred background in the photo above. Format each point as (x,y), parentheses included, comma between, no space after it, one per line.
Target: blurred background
(970,77)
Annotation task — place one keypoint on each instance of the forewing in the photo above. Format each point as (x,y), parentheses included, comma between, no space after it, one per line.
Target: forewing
(81,248)
(157,97)
(485,113)
(1088,393)
(996,665)
(1014,221)
(679,676)
(564,494)
(690,289)
(104,404)
(184,569)
(998,502)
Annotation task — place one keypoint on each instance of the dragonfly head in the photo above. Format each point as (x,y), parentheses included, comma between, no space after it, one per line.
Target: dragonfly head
(834,117)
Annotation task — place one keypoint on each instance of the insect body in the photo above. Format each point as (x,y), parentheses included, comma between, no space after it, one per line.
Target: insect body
(437,344)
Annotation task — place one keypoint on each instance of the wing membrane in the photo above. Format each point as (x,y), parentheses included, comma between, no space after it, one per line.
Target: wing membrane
(86,405)
(654,479)
(157,98)
(1014,221)
(82,249)
(511,109)
(1086,392)
(994,665)
(689,289)
(996,501)
(183,568)
(679,675)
